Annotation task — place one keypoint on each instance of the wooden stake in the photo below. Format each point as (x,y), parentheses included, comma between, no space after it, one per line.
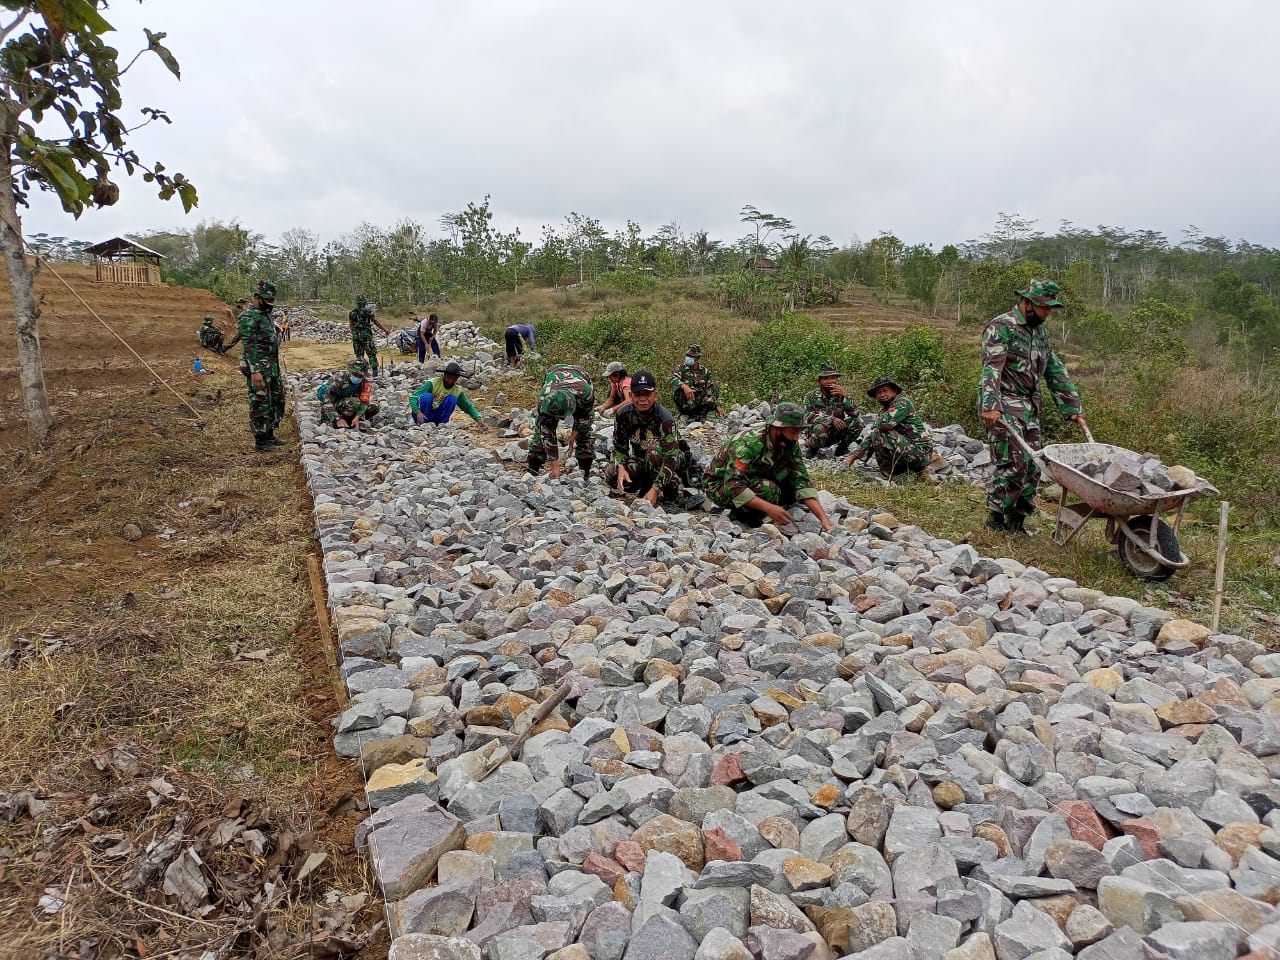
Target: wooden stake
(326,635)
(503,754)
(1218,579)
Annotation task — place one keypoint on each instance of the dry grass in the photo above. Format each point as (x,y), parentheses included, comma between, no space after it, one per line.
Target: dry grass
(195,645)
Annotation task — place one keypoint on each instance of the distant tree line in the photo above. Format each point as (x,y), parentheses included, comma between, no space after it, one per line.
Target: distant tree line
(1110,274)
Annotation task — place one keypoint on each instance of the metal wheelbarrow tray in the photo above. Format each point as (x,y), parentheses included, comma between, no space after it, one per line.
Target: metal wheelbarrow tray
(1146,544)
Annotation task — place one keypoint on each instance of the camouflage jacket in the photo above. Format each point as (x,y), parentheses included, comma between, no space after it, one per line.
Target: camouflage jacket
(819,406)
(339,388)
(636,434)
(361,320)
(210,336)
(566,391)
(899,418)
(1015,356)
(261,346)
(699,379)
(748,457)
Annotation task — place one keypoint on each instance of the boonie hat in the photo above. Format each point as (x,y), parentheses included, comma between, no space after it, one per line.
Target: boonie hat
(693,351)
(1043,293)
(358,367)
(266,290)
(881,382)
(787,415)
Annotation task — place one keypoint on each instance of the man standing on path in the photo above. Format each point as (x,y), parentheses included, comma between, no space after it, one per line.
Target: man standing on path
(696,394)
(648,459)
(757,475)
(516,336)
(435,400)
(428,332)
(831,416)
(1016,354)
(566,392)
(347,398)
(898,439)
(261,367)
(361,322)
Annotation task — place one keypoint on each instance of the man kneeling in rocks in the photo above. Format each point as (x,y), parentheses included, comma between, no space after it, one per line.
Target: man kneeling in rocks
(648,458)
(435,400)
(566,391)
(757,475)
(898,438)
(346,399)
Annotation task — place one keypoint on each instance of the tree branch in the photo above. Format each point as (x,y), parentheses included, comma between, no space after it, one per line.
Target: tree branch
(6,30)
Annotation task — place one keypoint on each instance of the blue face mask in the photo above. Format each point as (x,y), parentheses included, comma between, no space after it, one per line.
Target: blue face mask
(356,381)
(689,361)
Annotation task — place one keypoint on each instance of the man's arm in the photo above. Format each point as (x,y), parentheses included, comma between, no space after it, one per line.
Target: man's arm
(994,356)
(1064,391)
(467,407)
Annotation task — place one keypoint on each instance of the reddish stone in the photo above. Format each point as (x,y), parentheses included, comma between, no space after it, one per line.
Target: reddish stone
(728,771)
(720,846)
(1144,831)
(1084,822)
(630,854)
(610,871)
(866,603)
(1043,678)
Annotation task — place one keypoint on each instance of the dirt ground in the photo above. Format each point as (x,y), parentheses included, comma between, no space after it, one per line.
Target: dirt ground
(167,777)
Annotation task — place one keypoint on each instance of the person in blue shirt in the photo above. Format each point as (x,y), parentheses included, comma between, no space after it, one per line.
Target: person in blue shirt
(517,335)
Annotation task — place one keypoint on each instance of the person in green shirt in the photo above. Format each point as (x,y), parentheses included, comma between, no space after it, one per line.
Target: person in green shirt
(435,400)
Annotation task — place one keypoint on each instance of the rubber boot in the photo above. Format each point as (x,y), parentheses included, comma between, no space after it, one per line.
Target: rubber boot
(842,448)
(273,441)
(995,521)
(1015,523)
(263,444)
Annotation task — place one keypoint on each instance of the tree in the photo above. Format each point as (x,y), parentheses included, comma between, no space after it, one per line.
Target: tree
(921,271)
(56,65)
(882,255)
(764,225)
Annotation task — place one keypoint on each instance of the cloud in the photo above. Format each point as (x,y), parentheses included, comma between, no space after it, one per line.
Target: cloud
(922,118)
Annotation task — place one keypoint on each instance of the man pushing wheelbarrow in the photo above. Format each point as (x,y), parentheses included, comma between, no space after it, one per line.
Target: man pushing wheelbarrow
(1016,354)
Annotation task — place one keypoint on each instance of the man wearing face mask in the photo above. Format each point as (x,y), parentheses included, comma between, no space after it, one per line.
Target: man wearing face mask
(261,367)
(758,474)
(347,398)
(696,394)
(1016,354)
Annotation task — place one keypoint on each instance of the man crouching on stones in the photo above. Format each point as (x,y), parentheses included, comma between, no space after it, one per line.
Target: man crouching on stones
(647,455)
(566,391)
(758,475)
(898,438)
(346,399)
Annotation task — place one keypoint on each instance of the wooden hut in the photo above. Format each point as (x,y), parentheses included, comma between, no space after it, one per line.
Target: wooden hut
(121,260)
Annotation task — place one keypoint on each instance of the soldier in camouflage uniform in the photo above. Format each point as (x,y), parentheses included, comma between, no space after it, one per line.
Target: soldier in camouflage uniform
(566,391)
(346,397)
(361,321)
(758,474)
(210,336)
(1016,354)
(696,394)
(831,416)
(898,438)
(648,457)
(261,367)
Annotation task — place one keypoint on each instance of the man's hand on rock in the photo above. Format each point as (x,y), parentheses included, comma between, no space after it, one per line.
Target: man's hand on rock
(651,496)
(624,477)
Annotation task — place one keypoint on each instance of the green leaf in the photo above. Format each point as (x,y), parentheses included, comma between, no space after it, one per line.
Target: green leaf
(84,14)
(161,51)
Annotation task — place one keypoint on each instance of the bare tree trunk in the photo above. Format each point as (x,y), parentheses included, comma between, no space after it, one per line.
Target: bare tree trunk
(35,399)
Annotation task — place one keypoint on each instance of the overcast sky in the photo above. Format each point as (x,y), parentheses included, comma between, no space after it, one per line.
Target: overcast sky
(850,117)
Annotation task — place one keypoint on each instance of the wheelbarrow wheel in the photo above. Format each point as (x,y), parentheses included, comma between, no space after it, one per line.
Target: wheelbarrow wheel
(1140,564)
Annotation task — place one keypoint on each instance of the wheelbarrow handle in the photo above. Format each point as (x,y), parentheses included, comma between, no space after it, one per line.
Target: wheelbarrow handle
(1007,426)
(1088,434)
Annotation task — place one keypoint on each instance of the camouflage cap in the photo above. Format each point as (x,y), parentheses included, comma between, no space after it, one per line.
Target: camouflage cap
(208,318)
(828,370)
(361,300)
(560,403)
(265,289)
(693,351)
(787,415)
(1043,293)
(882,382)
(358,367)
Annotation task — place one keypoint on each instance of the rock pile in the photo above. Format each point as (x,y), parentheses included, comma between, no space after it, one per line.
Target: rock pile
(307,324)
(873,743)
(1135,473)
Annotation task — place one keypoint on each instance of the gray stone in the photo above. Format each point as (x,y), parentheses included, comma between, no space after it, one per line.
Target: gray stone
(1131,903)
(421,946)
(932,936)
(406,839)
(725,907)
(661,938)
(1195,940)
(1027,931)
(720,944)
(821,838)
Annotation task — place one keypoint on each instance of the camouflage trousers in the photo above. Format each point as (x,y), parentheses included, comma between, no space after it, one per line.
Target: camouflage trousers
(644,474)
(539,448)
(347,409)
(717,489)
(824,433)
(212,340)
(266,406)
(362,343)
(698,407)
(1013,486)
(896,454)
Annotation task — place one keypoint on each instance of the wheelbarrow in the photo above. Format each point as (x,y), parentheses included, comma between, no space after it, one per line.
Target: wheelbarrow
(1147,545)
